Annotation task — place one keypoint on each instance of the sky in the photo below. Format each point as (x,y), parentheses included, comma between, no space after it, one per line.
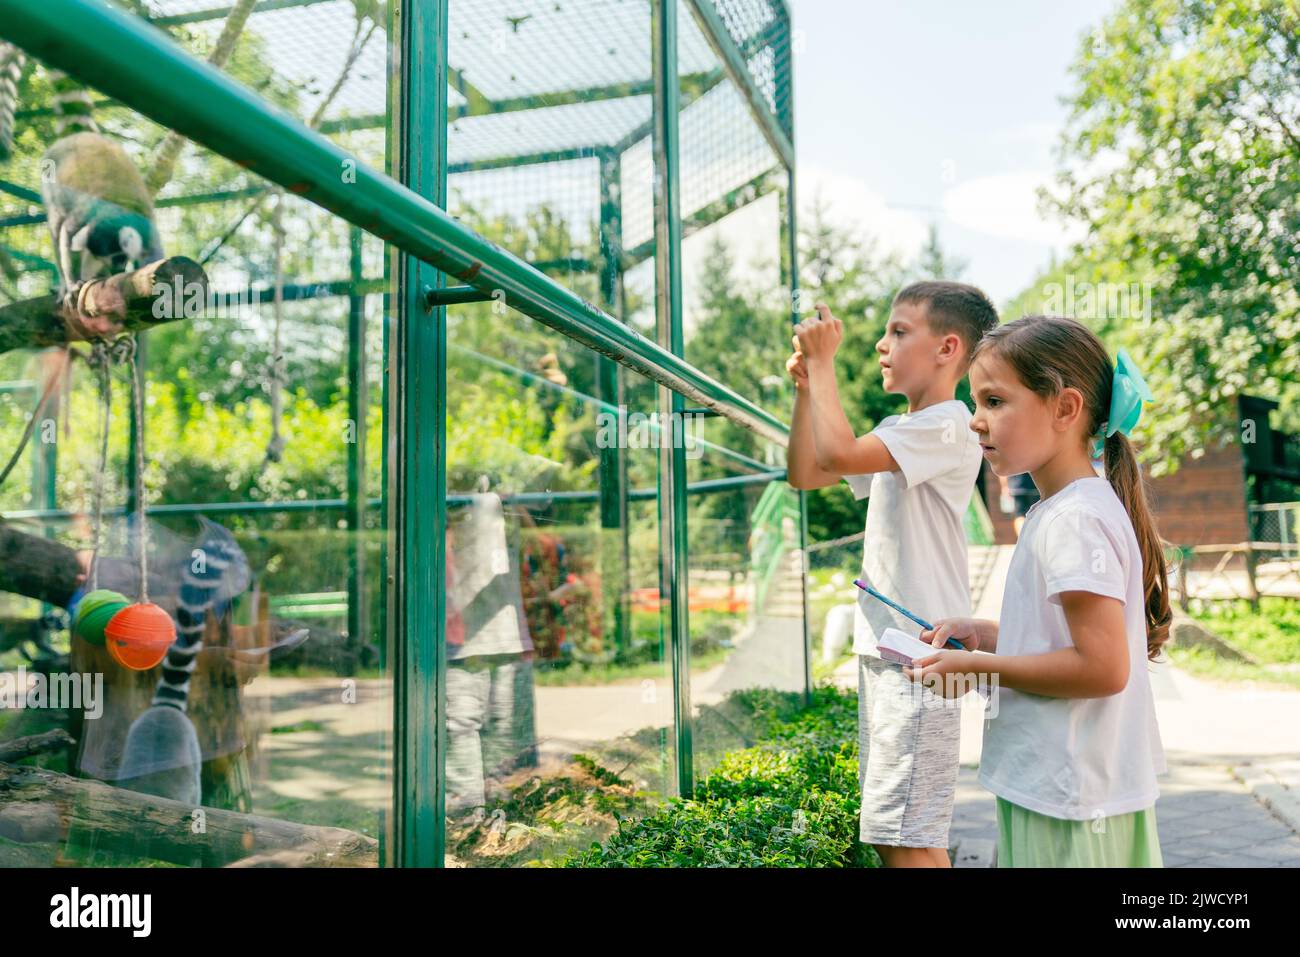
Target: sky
(939,111)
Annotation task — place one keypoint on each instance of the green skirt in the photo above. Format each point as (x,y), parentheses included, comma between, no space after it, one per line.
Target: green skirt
(1029,839)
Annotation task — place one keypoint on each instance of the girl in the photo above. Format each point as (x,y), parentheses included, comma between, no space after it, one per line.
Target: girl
(1071,749)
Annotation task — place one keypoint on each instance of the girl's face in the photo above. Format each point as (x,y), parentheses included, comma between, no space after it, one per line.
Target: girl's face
(1018,430)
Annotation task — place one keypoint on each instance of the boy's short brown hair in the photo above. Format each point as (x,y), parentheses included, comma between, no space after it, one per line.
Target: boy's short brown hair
(952,307)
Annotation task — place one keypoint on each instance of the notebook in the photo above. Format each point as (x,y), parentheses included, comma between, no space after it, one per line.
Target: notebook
(901,648)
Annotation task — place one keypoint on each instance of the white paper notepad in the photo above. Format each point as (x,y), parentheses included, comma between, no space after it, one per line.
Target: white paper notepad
(901,648)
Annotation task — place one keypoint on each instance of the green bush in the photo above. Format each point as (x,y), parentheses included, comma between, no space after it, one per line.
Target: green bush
(790,801)
(1272,634)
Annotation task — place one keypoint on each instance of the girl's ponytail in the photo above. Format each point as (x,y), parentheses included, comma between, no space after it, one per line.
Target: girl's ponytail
(1124,476)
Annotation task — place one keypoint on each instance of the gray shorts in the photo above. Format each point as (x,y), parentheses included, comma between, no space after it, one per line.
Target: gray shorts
(909,742)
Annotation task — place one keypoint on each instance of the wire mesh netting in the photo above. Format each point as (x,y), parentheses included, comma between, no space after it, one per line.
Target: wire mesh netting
(534,84)
(761,31)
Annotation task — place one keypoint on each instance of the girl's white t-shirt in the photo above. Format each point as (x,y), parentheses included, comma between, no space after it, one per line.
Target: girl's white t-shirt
(914,549)
(1073,758)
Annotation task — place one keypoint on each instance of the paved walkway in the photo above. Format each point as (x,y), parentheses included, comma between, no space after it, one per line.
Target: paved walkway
(1232,794)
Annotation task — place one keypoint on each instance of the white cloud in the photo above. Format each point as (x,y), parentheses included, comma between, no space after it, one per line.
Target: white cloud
(1006,206)
(851,203)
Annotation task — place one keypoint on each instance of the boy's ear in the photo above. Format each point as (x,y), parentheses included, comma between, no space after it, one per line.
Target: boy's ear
(952,349)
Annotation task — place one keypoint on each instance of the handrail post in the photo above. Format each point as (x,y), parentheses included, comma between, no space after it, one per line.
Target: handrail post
(673,560)
(420,371)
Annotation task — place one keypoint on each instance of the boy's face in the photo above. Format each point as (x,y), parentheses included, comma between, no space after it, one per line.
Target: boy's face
(909,350)
(1014,425)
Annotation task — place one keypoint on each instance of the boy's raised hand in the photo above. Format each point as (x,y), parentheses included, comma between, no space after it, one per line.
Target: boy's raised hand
(795,365)
(820,335)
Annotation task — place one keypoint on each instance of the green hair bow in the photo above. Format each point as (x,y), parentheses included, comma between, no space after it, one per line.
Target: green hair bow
(1127,393)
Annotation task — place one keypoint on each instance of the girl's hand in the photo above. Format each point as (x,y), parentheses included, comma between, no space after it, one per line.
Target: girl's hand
(965,630)
(941,664)
(819,336)
(796,367)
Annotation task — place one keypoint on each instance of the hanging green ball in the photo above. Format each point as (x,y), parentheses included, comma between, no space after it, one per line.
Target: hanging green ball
(95,611)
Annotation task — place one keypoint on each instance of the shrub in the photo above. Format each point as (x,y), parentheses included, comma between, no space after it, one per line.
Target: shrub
(790,801)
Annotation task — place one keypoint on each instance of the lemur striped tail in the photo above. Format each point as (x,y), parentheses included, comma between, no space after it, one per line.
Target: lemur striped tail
(12,61)
(217,572)
(74,111)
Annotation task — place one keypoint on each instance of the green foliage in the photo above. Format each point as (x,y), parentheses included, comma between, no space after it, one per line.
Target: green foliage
(790,801)
(1183,155)
(1271,635)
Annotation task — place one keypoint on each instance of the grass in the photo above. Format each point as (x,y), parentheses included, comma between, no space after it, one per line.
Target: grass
(1271,636)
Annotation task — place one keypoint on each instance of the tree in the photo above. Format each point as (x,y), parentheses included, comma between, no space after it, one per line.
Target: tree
(934,263)
(1183,153)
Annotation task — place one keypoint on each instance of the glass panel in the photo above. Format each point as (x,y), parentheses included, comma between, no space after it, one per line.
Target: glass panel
(262,433)
(559,698)
(746,574)
(746,581)
(735,300)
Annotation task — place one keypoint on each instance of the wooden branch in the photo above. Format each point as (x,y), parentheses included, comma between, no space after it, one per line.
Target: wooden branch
(107,307)
(38,567)
(40,806)
(18,748)
(50,571)
(15,631)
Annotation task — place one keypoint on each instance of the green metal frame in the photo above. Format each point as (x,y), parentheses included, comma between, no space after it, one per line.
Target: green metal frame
(417,442)
(358,406)
(733,60)
(674,567)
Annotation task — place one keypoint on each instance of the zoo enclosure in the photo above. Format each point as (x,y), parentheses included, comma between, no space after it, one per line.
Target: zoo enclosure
(718,78)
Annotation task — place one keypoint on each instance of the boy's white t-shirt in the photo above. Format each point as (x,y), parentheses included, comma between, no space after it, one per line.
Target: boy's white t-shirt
(1073,758)
(914,551)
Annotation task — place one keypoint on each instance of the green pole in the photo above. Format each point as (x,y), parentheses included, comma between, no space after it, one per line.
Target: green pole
(420,368)
(790,278)
(356,447)
(614,545)
(673,560)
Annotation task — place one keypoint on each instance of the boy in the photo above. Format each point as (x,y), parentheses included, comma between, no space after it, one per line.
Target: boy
(919,469)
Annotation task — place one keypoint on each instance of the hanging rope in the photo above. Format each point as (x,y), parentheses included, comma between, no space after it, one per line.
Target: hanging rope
(50,385)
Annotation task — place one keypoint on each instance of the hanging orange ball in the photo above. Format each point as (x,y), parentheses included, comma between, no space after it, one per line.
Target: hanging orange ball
(139,635)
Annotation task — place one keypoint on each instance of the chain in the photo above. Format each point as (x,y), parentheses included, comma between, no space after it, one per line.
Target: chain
(99,360)
(137,402)
(834,542)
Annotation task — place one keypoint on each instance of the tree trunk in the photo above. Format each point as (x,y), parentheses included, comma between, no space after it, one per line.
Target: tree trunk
(18,748)
(39,806)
